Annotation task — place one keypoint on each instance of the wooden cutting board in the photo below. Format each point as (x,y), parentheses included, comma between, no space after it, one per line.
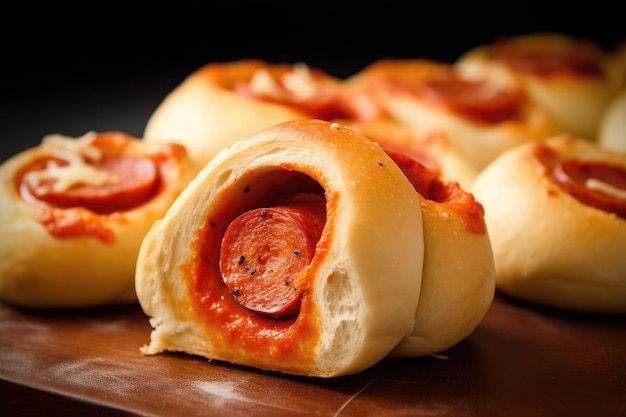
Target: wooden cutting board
(520,361)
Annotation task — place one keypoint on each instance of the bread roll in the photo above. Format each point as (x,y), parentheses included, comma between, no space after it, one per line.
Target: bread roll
(74,212)
(479,119)
(223,102)
(570,78)
(556,215)
(348,305)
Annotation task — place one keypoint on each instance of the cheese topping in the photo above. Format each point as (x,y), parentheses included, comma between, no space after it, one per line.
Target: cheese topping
(595,184)
(75,151)
(298,83)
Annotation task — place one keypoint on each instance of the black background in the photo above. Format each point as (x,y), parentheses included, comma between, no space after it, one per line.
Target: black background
(106,66)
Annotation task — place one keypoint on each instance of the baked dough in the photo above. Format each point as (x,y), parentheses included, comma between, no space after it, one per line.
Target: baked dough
(612,133)
(62,247)
(551,246)
(458,279)
(358,294)
(570,78)
(223,102)
(479,119)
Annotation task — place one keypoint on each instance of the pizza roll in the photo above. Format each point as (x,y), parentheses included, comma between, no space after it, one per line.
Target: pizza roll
(223,102)
(74,213)
(458,279)
(297,250)
(480,119)
(556,214)
(570,78)
(612,131)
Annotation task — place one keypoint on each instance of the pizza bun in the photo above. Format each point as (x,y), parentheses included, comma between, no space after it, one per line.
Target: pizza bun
(223,102)
(458,279)
(556,215)
(433,150)
(570,78)
(74,213)
(612,133)
(479,119)
(341,310)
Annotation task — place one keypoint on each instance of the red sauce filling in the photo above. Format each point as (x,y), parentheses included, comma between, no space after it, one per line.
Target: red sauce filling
(231,326)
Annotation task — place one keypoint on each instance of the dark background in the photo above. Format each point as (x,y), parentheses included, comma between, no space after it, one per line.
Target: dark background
(106,66)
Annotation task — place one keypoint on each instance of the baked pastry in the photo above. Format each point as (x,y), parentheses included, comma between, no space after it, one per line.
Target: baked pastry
(346,300)
(458,279)
(556,215)
(480,119)
(223,102)
(572,79)
(612,130)
(74,212)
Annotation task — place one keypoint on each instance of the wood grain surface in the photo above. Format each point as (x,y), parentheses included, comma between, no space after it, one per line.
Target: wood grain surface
(520,361)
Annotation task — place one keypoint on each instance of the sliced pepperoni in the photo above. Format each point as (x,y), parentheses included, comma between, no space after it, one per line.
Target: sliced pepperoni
(574,177)
(264,252)
(132,181)
(477,100)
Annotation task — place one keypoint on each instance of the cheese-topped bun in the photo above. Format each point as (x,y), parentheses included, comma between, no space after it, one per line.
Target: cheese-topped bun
(223,102)
(297,250)
(480,119)
(433,150)
(572,79)
(612,133)
(458,279)
(74,213)
(556,214)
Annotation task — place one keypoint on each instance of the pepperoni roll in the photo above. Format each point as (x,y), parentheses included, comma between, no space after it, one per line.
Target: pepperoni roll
(223,102)
(298,250)
(74,212)
(572,79)
(480,119)
(556,214)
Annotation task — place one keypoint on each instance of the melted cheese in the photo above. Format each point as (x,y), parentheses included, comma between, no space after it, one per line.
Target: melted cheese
(298,83)
(75,151)
(595,184)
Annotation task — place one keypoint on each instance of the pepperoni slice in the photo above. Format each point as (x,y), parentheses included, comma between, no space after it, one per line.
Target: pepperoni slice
(264,252)
(574,177)
(475,99)
(133,180)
